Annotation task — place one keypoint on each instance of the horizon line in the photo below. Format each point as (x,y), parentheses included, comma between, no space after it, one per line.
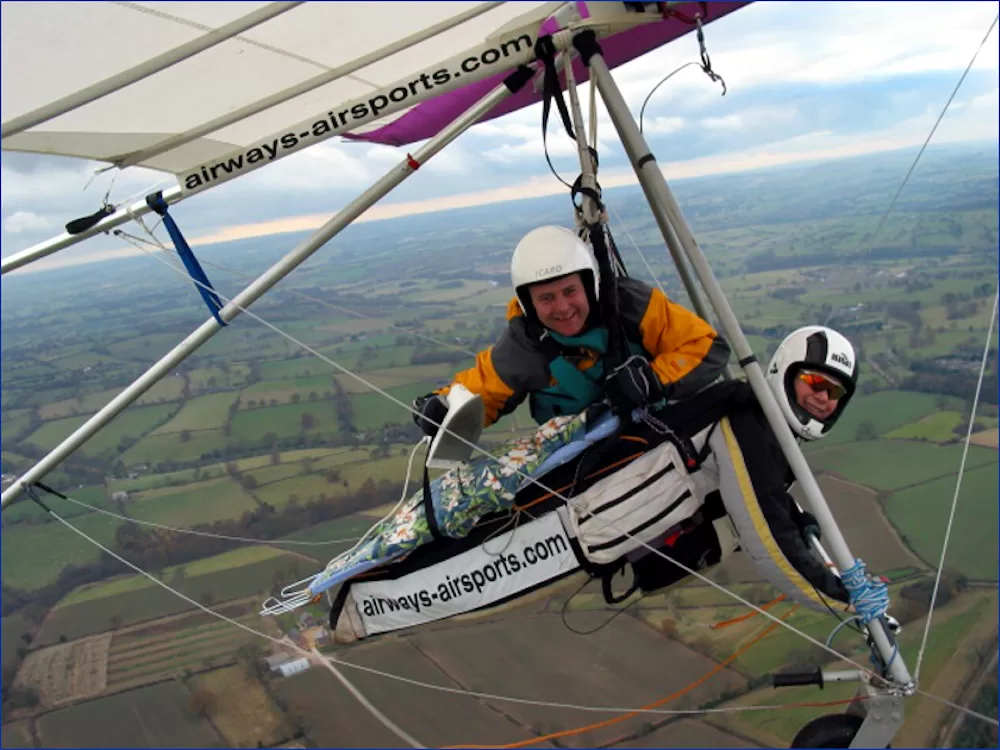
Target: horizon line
(534,187)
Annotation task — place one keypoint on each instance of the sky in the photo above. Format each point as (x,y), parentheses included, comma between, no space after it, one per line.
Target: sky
(806,81)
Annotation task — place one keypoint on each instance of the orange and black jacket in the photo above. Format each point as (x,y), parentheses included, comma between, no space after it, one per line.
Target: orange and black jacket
(684,351)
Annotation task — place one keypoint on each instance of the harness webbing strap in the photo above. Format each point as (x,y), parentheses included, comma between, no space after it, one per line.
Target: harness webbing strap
(428,500)
(194,269)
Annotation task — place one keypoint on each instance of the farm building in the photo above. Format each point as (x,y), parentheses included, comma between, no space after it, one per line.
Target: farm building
(288,668)
(274,660)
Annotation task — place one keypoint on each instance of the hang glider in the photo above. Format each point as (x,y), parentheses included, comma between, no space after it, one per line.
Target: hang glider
(209,92)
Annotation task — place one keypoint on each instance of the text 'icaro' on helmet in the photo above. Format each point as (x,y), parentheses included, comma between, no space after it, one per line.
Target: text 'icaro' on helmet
(548,253)
(812,348)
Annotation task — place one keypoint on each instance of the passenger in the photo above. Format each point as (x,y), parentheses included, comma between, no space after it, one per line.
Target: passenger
(552,351)
(813,375)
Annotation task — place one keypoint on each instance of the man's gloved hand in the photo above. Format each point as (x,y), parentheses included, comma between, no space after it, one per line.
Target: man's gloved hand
(810,526)
(432,406)
(634,384)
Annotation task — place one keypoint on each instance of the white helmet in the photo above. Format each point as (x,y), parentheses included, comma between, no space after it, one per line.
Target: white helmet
(545,254)
(814,348)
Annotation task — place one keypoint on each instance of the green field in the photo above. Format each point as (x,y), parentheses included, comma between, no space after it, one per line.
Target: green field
(284,421)
(373,410)
(154,449)
(303,488)
(152,716)
(893,464)
(133,603)
(886,410)
(191,505)
(921,515)
(200,413)
(33,555)
(15,421)
(215,377)
(131,423)
(937,428)
(11,629)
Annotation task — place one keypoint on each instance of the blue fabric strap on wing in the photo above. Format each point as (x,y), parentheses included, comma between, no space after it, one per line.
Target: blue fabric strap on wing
(869,596)
(191,263)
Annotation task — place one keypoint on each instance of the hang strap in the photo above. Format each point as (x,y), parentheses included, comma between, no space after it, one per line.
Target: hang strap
(429,514)
(194,269)
(545,52)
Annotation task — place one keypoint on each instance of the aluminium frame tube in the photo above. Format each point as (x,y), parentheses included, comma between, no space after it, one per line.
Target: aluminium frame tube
(255,290)
(650,175)
(64,240)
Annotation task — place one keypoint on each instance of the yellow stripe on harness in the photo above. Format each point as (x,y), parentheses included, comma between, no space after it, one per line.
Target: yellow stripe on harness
(756,516)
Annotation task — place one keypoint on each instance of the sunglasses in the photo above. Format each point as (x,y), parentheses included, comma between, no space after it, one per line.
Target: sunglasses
(819,381)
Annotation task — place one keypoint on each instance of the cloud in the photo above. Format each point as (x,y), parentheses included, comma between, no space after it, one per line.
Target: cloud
(26,221)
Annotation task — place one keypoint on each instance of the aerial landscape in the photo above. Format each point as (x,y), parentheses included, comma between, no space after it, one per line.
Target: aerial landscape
(227,520)
(255,438)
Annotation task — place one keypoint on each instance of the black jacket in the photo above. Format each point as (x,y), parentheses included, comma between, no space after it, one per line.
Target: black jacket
(770,473)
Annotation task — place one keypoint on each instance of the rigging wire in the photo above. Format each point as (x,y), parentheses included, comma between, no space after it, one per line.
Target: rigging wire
(958,487)
(471,693)
(209,534)
(250,540)
(913,166)
(159,243)
(282,642)
(399,678)
(642,255)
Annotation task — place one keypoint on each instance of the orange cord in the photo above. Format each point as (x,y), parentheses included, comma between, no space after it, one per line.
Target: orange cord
(747,616)
(618,719)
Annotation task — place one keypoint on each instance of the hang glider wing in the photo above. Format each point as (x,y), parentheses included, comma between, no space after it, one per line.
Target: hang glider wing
(211,91)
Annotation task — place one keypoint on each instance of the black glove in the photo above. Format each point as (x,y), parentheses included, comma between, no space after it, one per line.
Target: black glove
(809,526)
(633,384)
(433,407)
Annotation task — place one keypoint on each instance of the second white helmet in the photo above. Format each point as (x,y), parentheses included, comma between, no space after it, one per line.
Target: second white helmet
(546,253)
(814,348)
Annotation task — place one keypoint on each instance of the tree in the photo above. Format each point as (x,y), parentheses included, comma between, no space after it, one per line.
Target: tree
(185,436)
(866,431)
(202,702)
(308,421)
(24,697)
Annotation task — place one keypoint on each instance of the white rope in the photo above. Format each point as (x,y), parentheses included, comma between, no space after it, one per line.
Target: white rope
(958,487)
(460,691)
